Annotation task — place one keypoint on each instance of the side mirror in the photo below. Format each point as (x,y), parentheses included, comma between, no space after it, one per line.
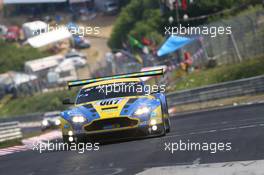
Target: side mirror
(67,101)
(155,90)
(158,90)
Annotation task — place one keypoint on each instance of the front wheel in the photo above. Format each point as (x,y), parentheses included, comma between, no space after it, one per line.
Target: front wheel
(65,139)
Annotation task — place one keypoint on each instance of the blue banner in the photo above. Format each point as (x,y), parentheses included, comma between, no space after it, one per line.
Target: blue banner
(172,44)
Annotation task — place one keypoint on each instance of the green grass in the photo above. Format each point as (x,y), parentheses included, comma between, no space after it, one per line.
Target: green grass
(13,57)
(10,143)
(16,142)
(49,101)
(245,69)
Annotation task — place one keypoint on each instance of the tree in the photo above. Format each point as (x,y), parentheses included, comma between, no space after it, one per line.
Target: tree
(144,18)
(132,20)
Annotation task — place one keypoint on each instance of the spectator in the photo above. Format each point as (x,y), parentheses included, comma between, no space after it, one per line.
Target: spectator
(187,60)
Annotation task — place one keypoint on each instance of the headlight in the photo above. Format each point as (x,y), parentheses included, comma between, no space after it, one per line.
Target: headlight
(70,133)
(78,119)
(153,122)
(57,122)
(142,110)
(45,123)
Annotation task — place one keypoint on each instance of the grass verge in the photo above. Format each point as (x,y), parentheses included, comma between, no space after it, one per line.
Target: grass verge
(215,104)
(17,142)
(49,101)
(13,56)
(245,69)
(10,143)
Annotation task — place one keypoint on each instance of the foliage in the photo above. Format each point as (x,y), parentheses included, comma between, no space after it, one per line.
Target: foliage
(13,57)
(49,101)
(144,18)
(10,143)
(123,3)
(138,18)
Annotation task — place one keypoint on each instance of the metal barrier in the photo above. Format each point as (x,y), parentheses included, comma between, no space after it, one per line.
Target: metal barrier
(10,131)
(241,87)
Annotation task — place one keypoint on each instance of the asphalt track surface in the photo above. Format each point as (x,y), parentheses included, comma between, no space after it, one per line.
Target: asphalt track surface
(242,126)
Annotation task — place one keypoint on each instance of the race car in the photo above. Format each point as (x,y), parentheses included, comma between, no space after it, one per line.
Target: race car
(51,120)
(114,108)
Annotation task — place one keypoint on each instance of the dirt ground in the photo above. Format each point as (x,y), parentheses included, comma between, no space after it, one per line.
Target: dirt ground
(95,54)
(104,22)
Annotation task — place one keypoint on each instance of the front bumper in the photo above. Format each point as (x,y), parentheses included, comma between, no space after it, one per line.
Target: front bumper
(118,135)
(111,125)
(135,130)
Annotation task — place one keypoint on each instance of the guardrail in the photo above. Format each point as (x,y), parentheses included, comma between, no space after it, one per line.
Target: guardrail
(23,118)
(235,88)
(10,131)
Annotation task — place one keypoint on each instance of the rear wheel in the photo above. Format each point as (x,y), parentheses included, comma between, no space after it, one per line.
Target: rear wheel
(166,113)
(162,129)
(84,139)
(168,125)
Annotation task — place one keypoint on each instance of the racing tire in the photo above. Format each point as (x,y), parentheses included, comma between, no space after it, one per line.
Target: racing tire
(163,129)
(65,139)
(166,120)
(168,125)
(84,139)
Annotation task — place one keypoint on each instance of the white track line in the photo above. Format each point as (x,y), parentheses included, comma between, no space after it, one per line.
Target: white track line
(227,168)
(216,130)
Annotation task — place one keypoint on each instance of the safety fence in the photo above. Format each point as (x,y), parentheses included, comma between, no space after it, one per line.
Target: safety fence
(10,131)
(241,87)
(245,41)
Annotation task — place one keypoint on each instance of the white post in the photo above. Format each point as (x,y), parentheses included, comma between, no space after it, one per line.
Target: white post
(236,48)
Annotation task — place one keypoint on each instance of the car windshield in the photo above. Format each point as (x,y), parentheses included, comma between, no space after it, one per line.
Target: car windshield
(110,91)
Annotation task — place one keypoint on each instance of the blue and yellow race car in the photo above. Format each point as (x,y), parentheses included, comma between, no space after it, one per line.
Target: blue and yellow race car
(115,107)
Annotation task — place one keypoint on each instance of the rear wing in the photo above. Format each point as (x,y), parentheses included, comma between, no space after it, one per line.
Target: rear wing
(131,75)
